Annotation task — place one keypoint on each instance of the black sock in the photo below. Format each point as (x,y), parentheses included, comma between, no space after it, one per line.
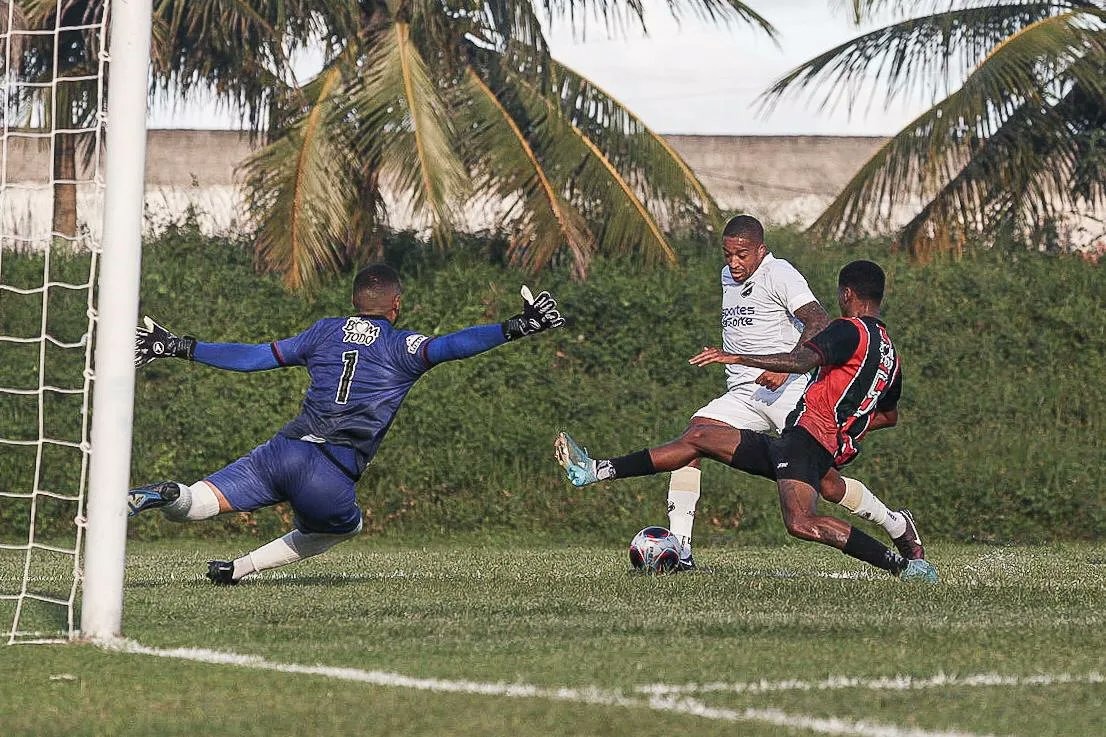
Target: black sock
(863,546)
(634,464)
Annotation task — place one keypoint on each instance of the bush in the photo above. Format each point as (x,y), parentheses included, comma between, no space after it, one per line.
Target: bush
(1001,434)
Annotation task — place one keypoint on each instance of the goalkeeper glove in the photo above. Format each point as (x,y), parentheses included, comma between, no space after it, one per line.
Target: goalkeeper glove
(154,341)
(538,314)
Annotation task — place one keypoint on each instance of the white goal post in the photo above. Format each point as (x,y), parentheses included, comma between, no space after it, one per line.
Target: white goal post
(113,393)
(72,172)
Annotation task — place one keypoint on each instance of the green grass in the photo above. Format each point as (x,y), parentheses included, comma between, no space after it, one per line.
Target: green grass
(552,617)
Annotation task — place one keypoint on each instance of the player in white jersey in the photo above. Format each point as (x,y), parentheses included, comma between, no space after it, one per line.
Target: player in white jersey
(767,308)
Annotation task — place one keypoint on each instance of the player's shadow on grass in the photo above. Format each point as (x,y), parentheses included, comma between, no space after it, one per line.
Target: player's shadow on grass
(316,580)
(284,581)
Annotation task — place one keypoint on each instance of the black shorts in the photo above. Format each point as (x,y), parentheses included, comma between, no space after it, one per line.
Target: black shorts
(798,456)
(753,455)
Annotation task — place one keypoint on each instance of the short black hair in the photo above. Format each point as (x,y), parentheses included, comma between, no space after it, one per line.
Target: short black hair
(375,281)
(746,227)
(865,278)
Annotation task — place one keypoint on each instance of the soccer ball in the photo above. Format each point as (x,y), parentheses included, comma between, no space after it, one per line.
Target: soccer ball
(655,550)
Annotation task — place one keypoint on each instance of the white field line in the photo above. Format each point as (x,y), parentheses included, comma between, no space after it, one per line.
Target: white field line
(893,683)
(586,695)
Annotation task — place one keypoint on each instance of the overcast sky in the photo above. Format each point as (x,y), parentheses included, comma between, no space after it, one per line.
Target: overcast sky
(691,76)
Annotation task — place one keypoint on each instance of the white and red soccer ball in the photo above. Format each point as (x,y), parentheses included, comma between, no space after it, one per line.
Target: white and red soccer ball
(655,550)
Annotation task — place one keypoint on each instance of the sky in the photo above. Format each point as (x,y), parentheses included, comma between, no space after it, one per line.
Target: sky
(690,76)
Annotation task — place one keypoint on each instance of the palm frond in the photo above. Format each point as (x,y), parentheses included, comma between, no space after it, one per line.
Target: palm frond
(199,46)
(617,15)
(541,222)
(513,23)
(637,150)
(922,54)
(405,125)
(299,182)
(595,185)
(1043,161)
(1030,68)
(722,11)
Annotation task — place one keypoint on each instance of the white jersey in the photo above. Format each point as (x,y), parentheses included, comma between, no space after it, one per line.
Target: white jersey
(758,314)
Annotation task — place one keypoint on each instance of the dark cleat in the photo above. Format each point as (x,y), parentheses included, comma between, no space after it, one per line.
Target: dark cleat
(153,496)
(910,542)
(221,572)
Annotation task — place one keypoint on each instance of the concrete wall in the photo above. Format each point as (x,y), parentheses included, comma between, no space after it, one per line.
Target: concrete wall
(781,179)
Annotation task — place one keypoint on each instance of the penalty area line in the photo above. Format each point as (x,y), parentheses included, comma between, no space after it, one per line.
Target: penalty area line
(590,695)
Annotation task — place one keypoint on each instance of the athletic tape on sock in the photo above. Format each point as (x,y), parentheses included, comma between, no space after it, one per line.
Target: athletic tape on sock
(683,495)
(196,502)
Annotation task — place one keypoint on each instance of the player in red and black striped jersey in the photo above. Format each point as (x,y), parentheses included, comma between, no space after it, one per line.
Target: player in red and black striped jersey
(858,382)
(856,390)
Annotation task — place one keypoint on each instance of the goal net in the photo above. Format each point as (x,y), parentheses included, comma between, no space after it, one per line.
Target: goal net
(53,130)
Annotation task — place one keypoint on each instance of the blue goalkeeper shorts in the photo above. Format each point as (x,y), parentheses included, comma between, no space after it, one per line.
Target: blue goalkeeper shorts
(306,475)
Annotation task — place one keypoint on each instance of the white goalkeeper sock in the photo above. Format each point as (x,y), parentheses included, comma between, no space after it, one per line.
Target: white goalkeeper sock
(195,502)
(683,495)
(292,547)
(863,503)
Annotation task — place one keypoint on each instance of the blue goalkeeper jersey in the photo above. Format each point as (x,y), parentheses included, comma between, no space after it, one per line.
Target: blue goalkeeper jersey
(361,369)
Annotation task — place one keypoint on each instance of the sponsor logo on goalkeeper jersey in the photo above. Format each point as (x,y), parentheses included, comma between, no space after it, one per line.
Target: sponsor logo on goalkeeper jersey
(360,331)
(414,341)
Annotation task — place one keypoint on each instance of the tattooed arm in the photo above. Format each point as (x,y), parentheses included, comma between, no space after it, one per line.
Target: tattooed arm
(798,361)
(814,320)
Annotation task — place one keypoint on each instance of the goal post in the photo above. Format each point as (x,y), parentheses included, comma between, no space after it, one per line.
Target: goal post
(72,165)
(113,383)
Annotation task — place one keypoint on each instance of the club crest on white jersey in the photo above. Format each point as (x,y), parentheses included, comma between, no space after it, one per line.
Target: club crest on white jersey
(360,331)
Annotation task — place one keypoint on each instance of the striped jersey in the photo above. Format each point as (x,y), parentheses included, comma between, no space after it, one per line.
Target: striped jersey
(860,373)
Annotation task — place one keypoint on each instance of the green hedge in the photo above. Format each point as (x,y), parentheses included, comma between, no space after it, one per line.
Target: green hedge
(1001,436)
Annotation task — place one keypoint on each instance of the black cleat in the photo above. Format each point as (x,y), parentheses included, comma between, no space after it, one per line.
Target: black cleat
(909,543)
(221,572)
(686,564)
(151,497)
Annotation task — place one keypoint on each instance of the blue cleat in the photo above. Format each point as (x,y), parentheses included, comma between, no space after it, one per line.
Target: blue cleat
(918,570)
(578,466)
(153,496)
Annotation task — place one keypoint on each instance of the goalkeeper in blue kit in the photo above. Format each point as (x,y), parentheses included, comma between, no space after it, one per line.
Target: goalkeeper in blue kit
(361,368)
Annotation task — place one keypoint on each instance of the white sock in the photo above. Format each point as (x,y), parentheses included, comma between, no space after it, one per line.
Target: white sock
(683,495)
(292,547)
(195,502)
(863,503)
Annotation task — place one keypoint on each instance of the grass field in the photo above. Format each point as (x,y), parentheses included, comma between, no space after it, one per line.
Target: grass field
(466,637)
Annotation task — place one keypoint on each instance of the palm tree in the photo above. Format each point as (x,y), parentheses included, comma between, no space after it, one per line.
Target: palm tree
(1016,140)
(446,104)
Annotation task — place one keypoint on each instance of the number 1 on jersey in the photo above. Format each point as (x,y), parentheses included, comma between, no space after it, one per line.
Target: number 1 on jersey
(349,365)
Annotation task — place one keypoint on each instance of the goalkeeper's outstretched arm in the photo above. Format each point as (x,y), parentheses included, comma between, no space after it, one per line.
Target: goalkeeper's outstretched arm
(153,341)
(538,315)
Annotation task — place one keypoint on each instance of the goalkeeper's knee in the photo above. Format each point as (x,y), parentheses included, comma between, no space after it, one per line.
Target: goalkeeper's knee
(309,544)
(196,502)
